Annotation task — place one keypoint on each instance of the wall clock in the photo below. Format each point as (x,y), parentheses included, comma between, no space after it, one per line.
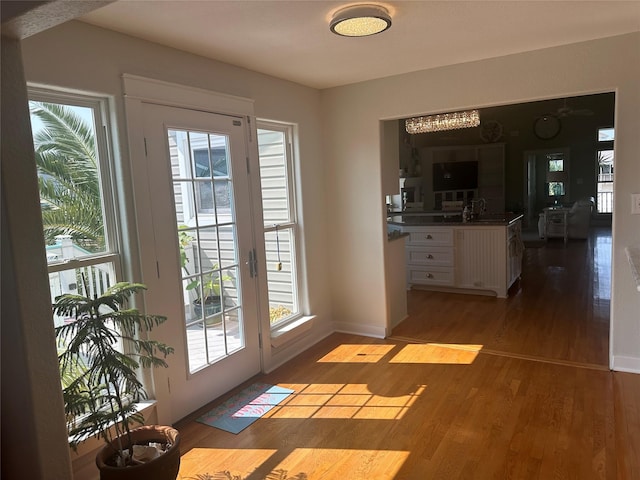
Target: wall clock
(546,127)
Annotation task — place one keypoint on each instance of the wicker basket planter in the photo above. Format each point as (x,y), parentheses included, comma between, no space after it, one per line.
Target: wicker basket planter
(164,467)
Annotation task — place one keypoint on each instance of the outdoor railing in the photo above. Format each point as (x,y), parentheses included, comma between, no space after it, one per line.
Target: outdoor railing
(96,277)
(605,202)
(605,177)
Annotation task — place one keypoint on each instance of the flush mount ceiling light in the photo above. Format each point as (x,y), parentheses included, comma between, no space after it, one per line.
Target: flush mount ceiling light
(444,121)
(360,21)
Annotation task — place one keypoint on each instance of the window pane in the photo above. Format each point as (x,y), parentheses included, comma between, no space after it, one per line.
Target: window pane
(205,196)
(273,177)
(74,191)
(606,134)
(604,193)
(279,248)
(556,165)
(69,176)
(223,200)
(86,281)
(556,189)
(276,170)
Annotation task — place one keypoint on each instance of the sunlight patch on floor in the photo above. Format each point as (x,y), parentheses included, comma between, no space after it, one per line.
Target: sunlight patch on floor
(205,463)
(357,353)
(443,353)
(299,464)
(344,463)
(343,401)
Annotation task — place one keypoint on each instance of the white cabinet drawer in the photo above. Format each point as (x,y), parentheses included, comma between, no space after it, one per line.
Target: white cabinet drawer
(442,256)
(430,236)
(430,275)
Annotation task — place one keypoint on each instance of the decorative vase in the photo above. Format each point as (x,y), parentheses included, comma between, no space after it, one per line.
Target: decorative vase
(164,467)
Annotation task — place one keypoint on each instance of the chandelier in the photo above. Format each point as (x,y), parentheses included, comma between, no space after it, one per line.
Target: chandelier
(443,121)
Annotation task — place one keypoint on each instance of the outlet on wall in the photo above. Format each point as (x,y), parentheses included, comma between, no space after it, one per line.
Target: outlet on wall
(635,203)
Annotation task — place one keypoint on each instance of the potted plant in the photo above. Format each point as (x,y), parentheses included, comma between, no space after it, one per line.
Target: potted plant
(101,385)
(208,292)
(209,297)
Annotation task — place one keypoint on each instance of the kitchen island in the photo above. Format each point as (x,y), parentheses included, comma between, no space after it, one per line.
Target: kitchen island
(482,256)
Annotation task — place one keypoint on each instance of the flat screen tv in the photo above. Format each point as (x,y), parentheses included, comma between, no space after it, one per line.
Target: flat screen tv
(455,176)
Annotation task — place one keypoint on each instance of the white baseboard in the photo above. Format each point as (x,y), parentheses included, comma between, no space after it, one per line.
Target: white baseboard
(294,349)
(363,330)
(625,364)
(397,322)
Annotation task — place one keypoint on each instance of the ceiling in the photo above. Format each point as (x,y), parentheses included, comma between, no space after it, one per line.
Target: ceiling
(291,39)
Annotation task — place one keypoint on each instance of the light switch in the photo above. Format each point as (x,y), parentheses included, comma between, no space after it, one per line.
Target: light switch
(635,203)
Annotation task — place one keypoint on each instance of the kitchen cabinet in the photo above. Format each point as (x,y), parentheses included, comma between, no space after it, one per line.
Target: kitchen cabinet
(429,256)
(466,258)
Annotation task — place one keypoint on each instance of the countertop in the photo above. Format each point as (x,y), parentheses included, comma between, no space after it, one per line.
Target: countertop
(448,218)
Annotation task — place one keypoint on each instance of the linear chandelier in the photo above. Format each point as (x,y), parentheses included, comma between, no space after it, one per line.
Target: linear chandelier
(443,121)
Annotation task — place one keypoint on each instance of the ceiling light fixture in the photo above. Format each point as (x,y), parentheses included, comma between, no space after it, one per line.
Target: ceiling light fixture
(443,121)
(360,21)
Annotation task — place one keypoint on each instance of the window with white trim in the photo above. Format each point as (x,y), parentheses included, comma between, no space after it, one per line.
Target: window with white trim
(76,192)
(280,220)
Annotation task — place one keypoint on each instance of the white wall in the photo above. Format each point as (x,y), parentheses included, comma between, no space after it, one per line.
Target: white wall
(33,426)
(83,57)
(351,116)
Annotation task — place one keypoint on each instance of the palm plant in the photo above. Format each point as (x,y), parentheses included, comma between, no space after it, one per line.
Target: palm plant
(67,163)
(101,383)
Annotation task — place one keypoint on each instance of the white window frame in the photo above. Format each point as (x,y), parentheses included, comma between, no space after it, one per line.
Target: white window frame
(293,224)
(106,170)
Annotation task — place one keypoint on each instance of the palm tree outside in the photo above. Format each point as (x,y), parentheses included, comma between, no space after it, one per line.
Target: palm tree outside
(68,176)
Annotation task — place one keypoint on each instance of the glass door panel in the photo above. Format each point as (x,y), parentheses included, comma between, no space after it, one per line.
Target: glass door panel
(202,235)
(203,196)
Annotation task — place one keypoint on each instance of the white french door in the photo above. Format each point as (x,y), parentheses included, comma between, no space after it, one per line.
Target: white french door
(199,198)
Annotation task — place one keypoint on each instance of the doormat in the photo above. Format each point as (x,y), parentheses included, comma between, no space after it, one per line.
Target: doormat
(245,407)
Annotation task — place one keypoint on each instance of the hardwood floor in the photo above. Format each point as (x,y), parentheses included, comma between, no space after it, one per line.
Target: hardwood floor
(467,388)
(372,409)
(559,310)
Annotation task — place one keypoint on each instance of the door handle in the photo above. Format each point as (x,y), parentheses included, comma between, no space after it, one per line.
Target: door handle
(430,257)
(429,237)
(252,263)
(429,275)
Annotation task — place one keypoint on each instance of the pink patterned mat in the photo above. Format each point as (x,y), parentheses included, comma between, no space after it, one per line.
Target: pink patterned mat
(245,407)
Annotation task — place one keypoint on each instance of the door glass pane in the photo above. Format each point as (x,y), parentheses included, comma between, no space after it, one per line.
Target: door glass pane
(203,199)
